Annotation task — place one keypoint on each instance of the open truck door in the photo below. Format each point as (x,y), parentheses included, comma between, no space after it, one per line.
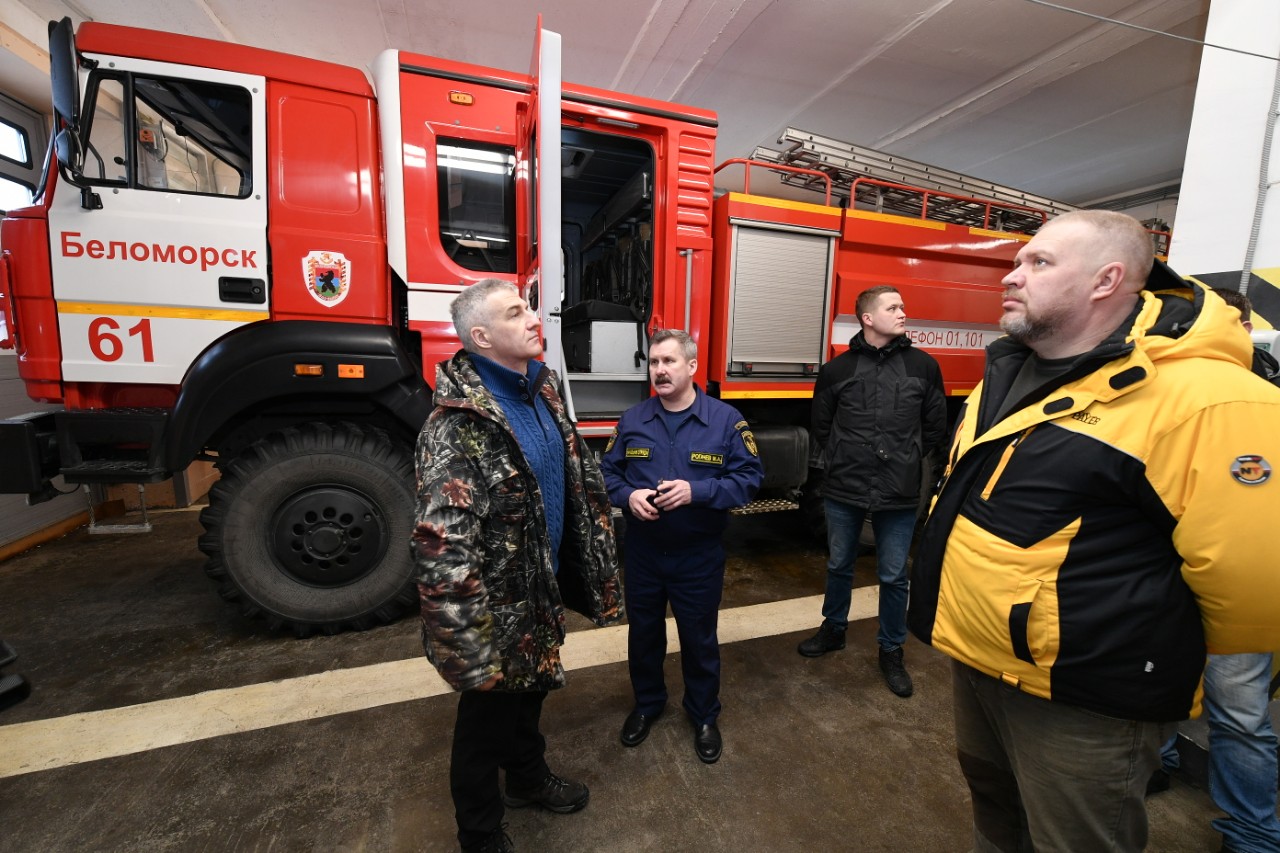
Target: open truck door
(538,156)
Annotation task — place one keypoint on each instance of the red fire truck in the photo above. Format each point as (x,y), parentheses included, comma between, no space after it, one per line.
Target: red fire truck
(247,257)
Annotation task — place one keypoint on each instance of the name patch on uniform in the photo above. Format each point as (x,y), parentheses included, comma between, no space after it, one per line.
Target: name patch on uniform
(701,458)
(638,452)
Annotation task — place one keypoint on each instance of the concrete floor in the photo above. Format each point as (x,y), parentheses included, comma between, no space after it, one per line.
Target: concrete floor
(818,754)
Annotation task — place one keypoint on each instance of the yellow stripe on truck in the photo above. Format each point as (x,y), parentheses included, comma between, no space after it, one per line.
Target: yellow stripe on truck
(174,312)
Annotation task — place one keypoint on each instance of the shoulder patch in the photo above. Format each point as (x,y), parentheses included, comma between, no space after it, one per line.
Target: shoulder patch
(613,436)
(638,452)
(740,425)
(750,441)
(1251,470)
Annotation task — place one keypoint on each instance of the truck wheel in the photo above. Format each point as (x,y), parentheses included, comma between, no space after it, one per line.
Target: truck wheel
(309,528)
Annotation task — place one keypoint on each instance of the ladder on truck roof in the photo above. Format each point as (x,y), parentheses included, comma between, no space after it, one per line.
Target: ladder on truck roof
(876,180)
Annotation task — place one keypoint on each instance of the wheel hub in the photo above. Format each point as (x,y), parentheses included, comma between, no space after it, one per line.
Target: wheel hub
(328,536)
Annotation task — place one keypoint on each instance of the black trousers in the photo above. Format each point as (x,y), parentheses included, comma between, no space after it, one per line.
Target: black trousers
(495,729)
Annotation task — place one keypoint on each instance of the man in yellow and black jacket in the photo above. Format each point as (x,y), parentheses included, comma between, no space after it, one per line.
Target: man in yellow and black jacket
(1102,523)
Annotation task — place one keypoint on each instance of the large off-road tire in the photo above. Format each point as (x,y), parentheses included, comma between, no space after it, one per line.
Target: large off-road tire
(309,528)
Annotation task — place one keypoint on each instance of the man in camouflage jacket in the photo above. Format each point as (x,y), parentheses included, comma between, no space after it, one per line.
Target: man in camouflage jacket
(493,585)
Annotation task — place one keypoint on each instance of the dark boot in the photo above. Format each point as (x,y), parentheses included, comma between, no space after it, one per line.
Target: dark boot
(895,674)
(553,794)
(828,639)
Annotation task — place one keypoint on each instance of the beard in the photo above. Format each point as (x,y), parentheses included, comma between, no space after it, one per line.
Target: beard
(1026,329)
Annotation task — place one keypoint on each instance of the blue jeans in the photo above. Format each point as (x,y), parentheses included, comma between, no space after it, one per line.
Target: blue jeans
(1242,751)
(893,529)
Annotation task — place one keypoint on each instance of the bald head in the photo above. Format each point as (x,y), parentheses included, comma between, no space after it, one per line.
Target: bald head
(1117,237)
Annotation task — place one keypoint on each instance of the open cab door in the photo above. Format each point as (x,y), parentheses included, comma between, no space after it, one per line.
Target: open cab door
(538,158)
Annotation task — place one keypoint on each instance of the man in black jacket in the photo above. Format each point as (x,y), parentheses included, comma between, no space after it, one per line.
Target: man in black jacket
(878,410)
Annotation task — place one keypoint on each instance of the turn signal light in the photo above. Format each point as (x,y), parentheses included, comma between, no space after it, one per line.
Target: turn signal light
(308,370)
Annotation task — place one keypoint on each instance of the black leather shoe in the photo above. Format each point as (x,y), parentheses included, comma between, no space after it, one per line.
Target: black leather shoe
(706,742)
(636,728)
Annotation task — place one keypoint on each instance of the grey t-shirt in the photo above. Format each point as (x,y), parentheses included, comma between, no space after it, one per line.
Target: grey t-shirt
(1036,372)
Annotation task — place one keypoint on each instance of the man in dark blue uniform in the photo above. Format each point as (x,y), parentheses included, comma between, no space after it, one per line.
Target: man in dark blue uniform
(676,465)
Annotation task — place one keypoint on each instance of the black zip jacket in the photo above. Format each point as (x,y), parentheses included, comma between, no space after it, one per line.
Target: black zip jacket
(877,412)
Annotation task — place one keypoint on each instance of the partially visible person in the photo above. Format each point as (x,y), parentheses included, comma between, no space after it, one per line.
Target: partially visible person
(1264,363)
(879,411)
(513,522)
(1097,531)
(1237,699)
(676,465)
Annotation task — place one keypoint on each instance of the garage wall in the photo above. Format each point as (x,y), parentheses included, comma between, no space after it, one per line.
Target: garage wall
(16,518)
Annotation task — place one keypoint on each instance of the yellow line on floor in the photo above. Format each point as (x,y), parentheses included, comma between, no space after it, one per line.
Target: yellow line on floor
(62,741)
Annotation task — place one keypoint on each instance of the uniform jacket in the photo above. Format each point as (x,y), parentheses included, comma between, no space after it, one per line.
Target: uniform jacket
(490,599)
(714,450)
(876,414)
(1087,546)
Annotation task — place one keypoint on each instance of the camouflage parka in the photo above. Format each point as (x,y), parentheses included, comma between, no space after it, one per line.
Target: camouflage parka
(491,601)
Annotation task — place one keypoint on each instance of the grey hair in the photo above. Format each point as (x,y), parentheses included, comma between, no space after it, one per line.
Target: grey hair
(688,346)
(469,309)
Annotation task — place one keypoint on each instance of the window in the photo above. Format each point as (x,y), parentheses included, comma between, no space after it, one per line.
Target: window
(22,142)
(188,136)
(477,204)
(13,144)
(105,154)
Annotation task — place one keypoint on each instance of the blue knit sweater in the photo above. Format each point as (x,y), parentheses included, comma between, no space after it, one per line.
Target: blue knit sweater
(537,434)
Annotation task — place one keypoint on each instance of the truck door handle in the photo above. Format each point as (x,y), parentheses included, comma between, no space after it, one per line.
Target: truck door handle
(242,289)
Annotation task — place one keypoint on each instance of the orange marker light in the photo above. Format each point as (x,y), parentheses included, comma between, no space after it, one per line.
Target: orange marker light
(351,371)
(462,99)
(308,370)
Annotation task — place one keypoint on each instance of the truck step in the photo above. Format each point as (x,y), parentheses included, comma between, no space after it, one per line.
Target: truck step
(114,471)
(770,505)
(143,526)
(116,446)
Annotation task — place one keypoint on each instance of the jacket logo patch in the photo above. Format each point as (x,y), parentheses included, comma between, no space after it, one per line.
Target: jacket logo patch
(750,441)
(638,452)
(612,438)
(1086,418)
(328,277)
(701,458)
(1251,470)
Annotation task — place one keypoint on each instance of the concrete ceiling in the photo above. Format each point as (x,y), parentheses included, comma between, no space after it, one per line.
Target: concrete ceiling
(1012,91)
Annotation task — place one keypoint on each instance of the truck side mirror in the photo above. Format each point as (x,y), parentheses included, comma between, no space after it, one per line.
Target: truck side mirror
(64,78)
